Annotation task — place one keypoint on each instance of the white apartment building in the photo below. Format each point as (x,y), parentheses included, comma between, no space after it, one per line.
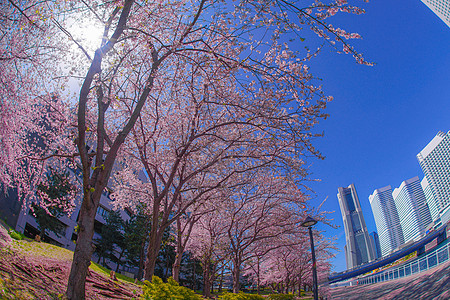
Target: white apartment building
(435,162)
(441,8)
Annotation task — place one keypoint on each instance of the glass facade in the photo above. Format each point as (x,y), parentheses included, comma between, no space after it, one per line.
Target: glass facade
(358,248)
(386,219)
(412,209)
(350,202)
(376,244)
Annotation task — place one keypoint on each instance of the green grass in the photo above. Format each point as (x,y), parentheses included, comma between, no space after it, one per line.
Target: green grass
(102,270)
(52,251)
(16,235)
(43,249)
(8,290)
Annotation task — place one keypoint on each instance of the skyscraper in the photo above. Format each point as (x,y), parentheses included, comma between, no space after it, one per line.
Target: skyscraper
(376,244)
(435,162)
(358,248)
(412,209)
(386,219)
(432,205)
(441,8)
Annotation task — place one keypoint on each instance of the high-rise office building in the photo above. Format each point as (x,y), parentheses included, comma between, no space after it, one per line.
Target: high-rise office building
(432,205)
(435,162)
(358,248)
(412,209)
(376,244)
(386,219)
(441,8)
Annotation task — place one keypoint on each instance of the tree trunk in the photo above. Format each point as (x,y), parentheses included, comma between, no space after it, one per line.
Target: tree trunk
(258,282)
(287,285)
(94,185)
(176,267)
(221,280)
(193,275)
(141,261)
(42,234)
(206,279)
(118,261)
(166,272)
(300,286)
(83,249)
(154,246)
(236,276)
(179,253)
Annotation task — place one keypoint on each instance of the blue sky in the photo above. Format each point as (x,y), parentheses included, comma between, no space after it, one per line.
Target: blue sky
(381,116)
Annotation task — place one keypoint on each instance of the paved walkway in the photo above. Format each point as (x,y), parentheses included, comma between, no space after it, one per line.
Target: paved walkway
(431,284)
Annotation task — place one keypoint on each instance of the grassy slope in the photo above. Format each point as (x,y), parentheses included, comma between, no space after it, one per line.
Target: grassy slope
(43,260)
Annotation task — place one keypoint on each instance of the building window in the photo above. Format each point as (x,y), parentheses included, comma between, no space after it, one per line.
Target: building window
(103,212)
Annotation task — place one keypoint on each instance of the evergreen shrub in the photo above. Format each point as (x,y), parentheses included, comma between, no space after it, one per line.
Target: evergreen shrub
(159,290)
(240,296)
(16,235)
(282,297)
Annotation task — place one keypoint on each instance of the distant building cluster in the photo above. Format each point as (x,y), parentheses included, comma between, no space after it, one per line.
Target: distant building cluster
(402,215)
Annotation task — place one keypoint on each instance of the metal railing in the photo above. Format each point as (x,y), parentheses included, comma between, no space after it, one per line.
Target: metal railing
(373,265)
(430,260)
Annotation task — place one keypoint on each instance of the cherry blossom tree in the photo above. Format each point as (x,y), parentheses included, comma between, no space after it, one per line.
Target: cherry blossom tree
(289,267)
(184,226)
(208,243)
(196,135)
(244,51)
(30,103)
(196,132)
(260,212)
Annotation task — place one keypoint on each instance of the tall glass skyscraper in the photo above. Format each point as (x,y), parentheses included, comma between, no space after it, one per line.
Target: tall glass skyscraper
(432,204)
(435,162)
(386,219)
(412,209)
(358,248)
(376,244)
(441,8)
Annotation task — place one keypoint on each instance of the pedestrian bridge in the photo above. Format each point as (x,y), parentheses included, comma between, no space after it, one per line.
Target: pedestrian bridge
(363,269)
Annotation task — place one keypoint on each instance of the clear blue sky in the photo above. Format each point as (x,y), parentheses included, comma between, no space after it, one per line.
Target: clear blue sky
(381,116)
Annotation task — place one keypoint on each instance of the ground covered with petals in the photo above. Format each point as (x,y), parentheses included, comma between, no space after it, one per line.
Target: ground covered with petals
(35,270)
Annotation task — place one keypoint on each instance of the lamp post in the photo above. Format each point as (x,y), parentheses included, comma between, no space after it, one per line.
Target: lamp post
(309,222)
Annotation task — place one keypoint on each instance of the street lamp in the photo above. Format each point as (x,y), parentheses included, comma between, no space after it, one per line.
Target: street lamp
(309,222)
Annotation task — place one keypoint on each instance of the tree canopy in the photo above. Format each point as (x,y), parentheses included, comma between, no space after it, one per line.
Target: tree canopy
(197,93)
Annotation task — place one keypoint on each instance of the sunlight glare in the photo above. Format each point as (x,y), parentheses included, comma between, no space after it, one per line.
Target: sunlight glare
(88,34)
